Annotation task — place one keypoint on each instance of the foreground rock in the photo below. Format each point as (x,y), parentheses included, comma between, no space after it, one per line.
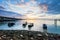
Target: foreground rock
(27,35)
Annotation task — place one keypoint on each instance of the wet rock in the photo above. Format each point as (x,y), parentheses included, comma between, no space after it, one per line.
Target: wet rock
(44,26)
(11,24)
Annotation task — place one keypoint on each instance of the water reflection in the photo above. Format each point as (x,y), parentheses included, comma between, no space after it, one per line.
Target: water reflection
(1,23)
(34,25)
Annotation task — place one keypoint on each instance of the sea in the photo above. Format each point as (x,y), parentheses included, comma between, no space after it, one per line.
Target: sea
(52,26)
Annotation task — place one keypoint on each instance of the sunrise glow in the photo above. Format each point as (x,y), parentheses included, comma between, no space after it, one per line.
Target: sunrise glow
(30,9)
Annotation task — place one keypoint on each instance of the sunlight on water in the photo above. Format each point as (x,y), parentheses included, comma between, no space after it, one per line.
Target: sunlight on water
(37,25)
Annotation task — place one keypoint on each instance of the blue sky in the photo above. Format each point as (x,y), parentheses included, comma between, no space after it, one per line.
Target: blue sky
(53,5)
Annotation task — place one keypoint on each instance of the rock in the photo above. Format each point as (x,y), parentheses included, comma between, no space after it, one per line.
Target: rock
(11,24)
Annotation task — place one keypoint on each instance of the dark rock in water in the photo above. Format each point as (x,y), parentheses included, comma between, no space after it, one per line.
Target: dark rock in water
(11,24)
(44,26)
(31,24)
(24,25)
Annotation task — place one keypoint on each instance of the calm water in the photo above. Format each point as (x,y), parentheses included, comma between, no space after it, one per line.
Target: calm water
(38,25)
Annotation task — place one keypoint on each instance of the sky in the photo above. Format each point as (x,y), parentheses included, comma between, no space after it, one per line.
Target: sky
(37,8)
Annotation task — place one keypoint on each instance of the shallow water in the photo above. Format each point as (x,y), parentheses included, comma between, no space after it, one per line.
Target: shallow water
(38,25)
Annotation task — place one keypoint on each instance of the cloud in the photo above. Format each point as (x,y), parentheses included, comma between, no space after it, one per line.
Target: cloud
(31,8)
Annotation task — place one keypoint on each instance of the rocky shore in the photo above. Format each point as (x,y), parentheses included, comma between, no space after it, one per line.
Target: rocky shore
(27,35)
